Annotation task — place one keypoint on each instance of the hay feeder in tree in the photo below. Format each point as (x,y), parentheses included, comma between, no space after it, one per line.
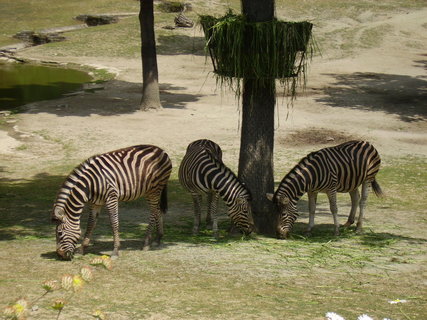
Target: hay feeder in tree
(257,50)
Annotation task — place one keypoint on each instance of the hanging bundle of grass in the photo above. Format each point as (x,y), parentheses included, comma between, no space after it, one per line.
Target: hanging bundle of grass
(262,50)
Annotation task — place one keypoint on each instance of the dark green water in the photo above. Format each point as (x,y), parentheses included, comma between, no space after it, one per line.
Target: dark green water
(24,83)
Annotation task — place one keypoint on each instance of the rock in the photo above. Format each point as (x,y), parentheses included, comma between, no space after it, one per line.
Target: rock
(37,38)
(182,21)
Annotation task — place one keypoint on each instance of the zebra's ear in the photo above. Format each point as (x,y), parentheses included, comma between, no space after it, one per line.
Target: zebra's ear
(284,200)
(241,200)
(58,215)
(270,196)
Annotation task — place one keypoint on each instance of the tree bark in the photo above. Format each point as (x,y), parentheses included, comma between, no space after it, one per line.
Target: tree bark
(257,136)
(150,75)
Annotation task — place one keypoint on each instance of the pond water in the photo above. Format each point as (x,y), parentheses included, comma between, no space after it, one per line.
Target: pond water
(25,83)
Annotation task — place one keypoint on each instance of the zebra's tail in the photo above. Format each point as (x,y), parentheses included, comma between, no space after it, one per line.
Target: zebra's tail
(164,200)
(377,189)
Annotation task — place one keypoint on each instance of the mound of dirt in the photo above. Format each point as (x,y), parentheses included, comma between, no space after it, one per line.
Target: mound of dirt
(316,136)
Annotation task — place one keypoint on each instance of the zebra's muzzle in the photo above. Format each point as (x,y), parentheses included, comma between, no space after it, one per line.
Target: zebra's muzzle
(282,234)
(64,255)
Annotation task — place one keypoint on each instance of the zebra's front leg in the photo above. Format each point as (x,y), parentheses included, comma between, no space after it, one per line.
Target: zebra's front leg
(197,200)
(113,211)
(312,200)
(332,196)
(354,204)
(362,206)
(91,223)
(209,214)
(212,210)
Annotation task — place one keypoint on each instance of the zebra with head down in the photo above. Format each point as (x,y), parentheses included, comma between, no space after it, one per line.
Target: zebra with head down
(203,172)
(104,180)
(342,168)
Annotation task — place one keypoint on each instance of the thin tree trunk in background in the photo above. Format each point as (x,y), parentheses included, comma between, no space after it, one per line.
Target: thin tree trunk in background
(257,136)
(150,75)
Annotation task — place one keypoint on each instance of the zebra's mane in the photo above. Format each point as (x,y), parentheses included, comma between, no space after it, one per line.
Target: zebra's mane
(293,175)
(220,165)
(71,181)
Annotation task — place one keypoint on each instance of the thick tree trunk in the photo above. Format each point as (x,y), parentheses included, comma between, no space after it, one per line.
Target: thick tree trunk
(257,137)
(150,75)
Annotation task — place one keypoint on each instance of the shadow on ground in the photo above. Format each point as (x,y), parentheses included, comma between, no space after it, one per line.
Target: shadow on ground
(26,207)
(110,98)
(402,95)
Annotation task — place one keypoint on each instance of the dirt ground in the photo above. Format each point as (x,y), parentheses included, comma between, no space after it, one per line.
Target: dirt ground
(378,94)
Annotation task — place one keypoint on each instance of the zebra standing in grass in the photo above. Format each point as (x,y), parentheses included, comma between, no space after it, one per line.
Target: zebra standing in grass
(203,172)
(342,168)
(106,179)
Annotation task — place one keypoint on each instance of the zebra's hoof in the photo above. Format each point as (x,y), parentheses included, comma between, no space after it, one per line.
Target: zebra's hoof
(159,245)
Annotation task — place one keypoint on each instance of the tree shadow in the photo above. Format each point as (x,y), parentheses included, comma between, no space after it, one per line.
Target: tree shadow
(110,98)
(172,99)
(402,95)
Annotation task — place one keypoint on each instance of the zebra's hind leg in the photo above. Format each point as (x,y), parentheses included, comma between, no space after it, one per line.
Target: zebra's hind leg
(312,200)
(91,223)
(197,201)
(332,196)
(113,211)
(156,222)
(355,196)
(212,209)
(362,206)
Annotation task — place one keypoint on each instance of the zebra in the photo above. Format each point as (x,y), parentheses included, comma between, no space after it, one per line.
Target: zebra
(104,180)
(342,168)
(203,172)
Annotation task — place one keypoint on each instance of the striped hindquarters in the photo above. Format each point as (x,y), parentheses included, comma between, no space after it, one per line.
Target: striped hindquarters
(200,164)
(353,163)
(214,148)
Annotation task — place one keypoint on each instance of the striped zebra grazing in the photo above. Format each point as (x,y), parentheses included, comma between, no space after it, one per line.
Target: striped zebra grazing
(203,172)
(341,168)
(106,179)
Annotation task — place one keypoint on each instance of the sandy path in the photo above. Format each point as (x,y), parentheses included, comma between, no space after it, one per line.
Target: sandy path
(379,95)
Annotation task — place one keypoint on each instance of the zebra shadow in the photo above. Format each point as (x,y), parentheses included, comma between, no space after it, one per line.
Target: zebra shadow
(105,247)
(324,233)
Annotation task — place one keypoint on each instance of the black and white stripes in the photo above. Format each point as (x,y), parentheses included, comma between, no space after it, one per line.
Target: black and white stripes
(202,172)
(104,180)
(342,168)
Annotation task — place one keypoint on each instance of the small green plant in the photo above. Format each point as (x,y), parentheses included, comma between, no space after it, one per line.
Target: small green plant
(68,283)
